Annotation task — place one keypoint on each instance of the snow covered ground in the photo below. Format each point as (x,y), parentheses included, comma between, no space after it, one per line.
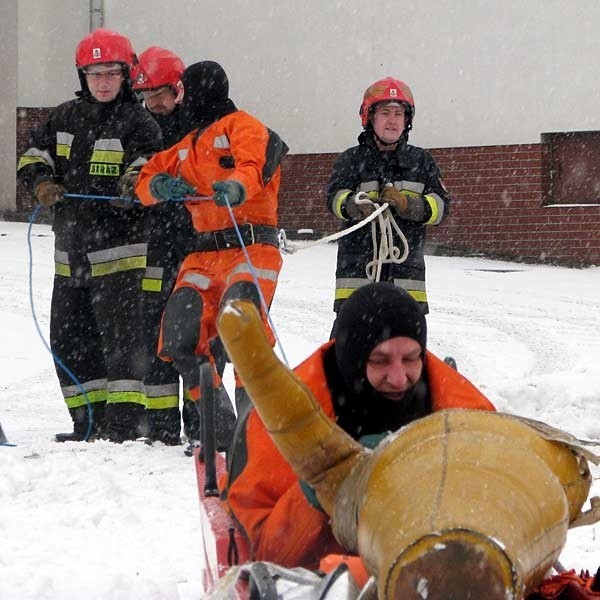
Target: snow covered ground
(122,522)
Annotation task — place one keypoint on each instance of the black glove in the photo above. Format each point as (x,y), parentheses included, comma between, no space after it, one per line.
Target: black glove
(48,193)
(229,191)
(125,189)
(166,188)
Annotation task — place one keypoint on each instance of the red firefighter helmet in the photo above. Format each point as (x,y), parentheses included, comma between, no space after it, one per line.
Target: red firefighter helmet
(104,46)
(156,68)
(388,89)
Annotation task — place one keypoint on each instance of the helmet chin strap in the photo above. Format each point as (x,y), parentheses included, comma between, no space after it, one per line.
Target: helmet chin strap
(387,145)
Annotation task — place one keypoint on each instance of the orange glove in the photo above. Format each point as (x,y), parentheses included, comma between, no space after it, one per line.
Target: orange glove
(397,199)
(48,193)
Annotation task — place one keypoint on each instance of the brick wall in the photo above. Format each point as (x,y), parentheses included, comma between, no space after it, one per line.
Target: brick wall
(302,195)
(498,195)
(27,118)
(498,202)
(499,207)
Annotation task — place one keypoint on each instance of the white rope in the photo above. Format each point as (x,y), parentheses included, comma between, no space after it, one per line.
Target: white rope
(382,235)
(384,250)
(290,247)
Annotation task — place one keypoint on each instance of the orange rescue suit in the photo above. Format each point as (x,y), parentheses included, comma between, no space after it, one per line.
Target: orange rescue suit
(241,148)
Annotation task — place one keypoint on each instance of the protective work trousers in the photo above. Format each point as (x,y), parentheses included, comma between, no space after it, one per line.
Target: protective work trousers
(169,231)
(96,331)
(205,280)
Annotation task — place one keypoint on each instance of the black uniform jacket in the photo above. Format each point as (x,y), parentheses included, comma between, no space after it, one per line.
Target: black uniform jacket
(86,146)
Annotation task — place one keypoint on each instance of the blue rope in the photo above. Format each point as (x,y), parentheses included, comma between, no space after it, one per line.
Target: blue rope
(93,197)
(135,200)
(37,326)
(255,278)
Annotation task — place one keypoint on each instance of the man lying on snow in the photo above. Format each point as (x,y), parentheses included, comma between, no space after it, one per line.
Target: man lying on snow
(471,501)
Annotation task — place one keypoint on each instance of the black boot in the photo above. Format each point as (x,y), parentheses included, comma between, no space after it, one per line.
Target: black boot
(123,421)
(191,426)
(164,425)
(81,420)
(236,457)
(243,404)
(224,422)
(224,419)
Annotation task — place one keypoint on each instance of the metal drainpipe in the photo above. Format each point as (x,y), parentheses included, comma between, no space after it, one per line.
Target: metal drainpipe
(96,14)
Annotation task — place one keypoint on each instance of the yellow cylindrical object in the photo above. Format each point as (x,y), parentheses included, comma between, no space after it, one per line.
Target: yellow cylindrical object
(469,493)
(320,451)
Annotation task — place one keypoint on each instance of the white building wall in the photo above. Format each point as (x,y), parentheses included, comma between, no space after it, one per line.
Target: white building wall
(482,71)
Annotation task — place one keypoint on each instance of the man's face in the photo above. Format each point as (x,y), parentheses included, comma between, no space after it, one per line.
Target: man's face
(104,81)
(160,101)
(388,122)
(394,367)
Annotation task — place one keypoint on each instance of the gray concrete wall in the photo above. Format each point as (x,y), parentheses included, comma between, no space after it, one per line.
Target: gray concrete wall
(483,71)
(48,33)
(8,102)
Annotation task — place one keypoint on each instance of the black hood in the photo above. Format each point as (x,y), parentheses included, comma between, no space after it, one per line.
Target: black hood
(206,94)
(373,314)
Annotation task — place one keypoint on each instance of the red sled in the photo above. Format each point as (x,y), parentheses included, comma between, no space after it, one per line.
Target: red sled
(224,545)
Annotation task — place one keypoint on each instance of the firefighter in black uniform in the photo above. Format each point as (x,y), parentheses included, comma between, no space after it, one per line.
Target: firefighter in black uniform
(94,145)
(385,168)
(169,229)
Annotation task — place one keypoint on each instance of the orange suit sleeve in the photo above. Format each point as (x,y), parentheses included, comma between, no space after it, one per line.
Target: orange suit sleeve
(267,501)
(166,161)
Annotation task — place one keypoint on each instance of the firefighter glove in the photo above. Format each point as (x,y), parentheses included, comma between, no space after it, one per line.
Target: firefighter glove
(48,193)
(407,204)
(126,184)
(122,203)
(358,206)
(169,189)
(229,192)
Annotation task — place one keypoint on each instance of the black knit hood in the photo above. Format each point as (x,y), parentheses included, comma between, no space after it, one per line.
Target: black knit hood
(373,314)
(206,94)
